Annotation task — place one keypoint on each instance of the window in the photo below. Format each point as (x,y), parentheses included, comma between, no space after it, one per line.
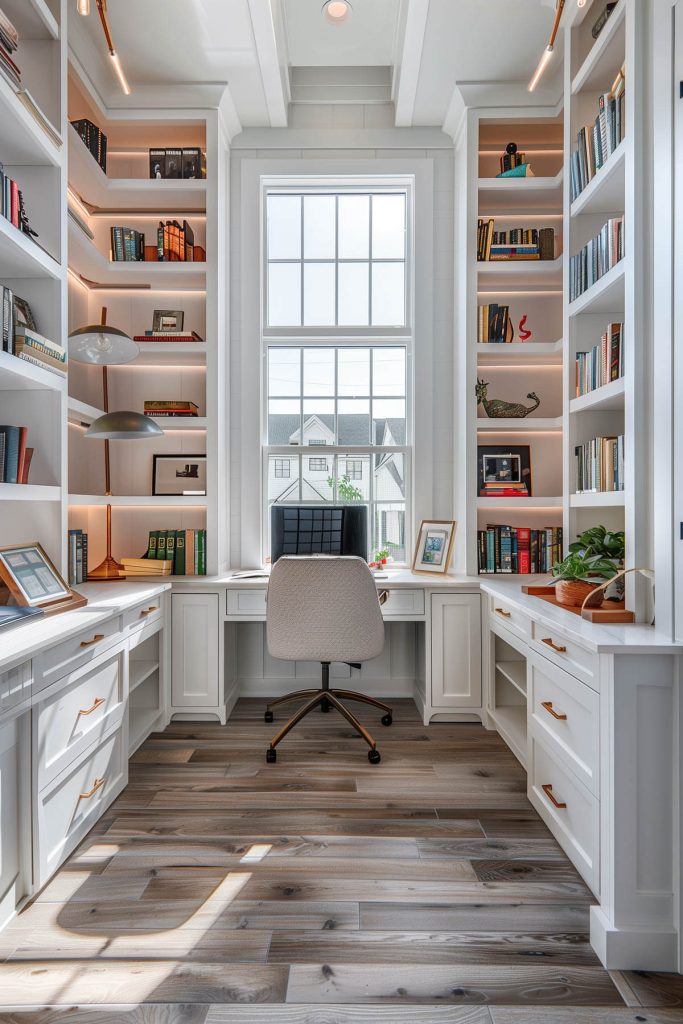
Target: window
(282,468)
(337,349)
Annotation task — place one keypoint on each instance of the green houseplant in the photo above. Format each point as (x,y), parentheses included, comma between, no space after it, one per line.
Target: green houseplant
(579,573)
(601,541)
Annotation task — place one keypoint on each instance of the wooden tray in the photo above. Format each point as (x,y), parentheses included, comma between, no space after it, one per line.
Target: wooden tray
(609,611)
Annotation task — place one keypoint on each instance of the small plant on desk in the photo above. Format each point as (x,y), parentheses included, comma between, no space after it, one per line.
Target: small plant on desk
(579,573)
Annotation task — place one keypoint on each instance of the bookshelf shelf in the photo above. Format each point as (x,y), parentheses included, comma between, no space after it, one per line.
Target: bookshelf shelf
(139,500)
(521,196)
(159,353)
(30,492)
(514,672)
(608,397)
(520,504)
(33,19)
(606,56)
(519,426)
(18,375)
(605,296)
(174,424)
(605,192)
(539,353)
(21,257)
(24,142)
(139,671)
(598,499)
(81,412)
(501,273)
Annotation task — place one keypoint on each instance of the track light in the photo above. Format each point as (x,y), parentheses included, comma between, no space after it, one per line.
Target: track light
(119,71)
(102,11)
(548,52)
(580,3)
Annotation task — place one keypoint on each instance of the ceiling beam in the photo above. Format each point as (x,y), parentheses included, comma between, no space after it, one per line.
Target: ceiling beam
(407,69)
(269,37)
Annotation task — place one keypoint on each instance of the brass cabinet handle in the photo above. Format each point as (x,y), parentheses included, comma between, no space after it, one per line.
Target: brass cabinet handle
(548,790)
(503,612)
(95,640)
(556,647)
(148,611)
(91,792)
(548,705)
(97,703)
(382,596)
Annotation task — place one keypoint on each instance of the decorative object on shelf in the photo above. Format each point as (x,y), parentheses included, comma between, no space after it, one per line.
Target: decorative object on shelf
(31,580)
(94,140)
(523,332)
(511,161)
(521,171)
(580,573)
(178,475)
(23,314)
(497,408)
(108,346)
(168,321)
(434,546)
(84,9)
(173,407)
(602,20)
(175,244)
(548,52)
(504,471)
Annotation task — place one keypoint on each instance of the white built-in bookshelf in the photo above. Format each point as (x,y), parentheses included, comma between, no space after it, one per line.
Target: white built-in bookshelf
(30,395)
(131,291)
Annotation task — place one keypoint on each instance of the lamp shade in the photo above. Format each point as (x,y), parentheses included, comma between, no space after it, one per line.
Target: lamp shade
(101,344)
(123,426)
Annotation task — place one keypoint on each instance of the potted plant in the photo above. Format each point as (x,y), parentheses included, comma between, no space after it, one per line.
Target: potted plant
(579,573)
(608,543)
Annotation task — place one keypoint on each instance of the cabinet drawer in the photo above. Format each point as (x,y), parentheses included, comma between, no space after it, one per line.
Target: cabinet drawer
(246,602)
(554,645)
(56,662)
(504,614)
(566,713)
(71,805)
(143,614)
(575,823)
(403,602)
(89,703)
(15,686)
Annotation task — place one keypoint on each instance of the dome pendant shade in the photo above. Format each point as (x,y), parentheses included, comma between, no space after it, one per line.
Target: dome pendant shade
(101,344)
(123,426)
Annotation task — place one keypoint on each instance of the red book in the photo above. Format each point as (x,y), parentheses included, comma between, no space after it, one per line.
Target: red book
(15,203)
(523,549)
(22,477)
(21,470)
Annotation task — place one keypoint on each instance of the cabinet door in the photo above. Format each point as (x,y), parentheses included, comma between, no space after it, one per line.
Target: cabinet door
(194,642)
(15,801)
(456,651)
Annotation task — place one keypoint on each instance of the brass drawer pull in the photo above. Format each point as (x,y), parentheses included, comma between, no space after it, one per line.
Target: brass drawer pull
(503,612)
(548,790)
(148,611)
(95,640)
(97,703)
(556,647)
(548,705)
(382,596)
(91,792)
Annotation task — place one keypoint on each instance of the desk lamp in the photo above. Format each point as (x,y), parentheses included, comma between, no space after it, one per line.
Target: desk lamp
(106,346)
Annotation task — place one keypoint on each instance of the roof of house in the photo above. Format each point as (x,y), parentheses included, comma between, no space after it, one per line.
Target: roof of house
(353,428)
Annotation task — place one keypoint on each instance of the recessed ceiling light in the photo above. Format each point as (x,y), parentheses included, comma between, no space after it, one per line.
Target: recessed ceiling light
(337,11)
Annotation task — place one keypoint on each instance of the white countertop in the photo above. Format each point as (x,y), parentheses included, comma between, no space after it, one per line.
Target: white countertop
(104,600)
(396,579)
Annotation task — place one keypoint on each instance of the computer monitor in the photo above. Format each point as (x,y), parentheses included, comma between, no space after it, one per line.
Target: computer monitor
(318,530)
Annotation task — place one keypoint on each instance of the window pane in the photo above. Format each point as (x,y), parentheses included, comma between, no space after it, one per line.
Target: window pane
(389,530)
(354,227)
(284,227)
(284,371)
(319,230)
(284,294)
(354,421)
(389,419)
(353,372)
(388,371)
(388,295)
(316,484)
(388,227)
(318,421)
(353,478)
(284,421)
(354,287)
(319,371)
(283,479)
(319,294)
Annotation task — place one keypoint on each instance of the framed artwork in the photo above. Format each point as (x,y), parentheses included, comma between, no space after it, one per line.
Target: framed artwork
(177,475)
(30,576)
(504,468)
(23,315)
(434,547)
(168,321)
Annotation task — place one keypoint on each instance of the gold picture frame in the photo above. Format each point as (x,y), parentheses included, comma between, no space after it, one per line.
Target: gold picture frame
(434,546)
(32,581)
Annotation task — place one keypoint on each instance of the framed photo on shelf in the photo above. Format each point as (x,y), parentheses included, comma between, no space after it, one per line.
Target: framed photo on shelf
(434,547)
(504,470)
(170,321)
(23,315)
(30,577)
(178,475)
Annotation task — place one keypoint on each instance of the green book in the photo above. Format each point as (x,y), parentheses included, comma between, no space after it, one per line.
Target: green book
(152,544)
(161,544)
(179,560)
(201,562)
(170,547)
(195,567)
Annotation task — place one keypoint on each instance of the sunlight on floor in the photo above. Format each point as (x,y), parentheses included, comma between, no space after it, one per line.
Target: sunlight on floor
(256,853)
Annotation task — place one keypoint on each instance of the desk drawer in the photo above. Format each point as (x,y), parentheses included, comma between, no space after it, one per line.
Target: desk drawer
(509,616)
(56,662)
(143,614)
(575,823)
(565,713)
(556,647)
(74,801)
(246,602)
(91,701)
(403,602)
(15,686)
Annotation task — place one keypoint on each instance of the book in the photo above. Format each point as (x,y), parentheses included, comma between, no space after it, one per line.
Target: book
(192,163)
(37,361)
(152,544)
(179,560)
(11,457)
(595,142)
(172,405)
(94,140)
(154,336)
(149,564)
(189,552)
(170,545)
(173,164)
(161,544)
(157,163)
(518,550)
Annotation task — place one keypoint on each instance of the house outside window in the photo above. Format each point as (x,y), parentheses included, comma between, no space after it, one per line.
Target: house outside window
(282,468)
(354,469)
(317,465)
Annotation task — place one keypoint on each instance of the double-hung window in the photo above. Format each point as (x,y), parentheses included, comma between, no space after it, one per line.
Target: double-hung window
(338,349)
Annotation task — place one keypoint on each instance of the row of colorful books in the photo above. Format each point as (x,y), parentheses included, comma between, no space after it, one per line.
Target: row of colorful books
(174,244)
(173,407)
(494,326)
(163,336)
(603,363)
(518,549)
(19,337)
(12,203)
(183,550)
(78,557)
(599,465)
(94,140)
(596,258)
(15,455)
(596,142)
(513,244)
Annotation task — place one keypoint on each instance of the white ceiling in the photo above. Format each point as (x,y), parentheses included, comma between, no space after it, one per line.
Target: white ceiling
(176,51)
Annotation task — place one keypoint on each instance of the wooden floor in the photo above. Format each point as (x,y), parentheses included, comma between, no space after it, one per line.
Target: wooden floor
(320,890)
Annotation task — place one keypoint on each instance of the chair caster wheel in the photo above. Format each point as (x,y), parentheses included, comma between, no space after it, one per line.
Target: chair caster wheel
(387,720)
(271,755)
(268,716)
(374,756)
(325,706)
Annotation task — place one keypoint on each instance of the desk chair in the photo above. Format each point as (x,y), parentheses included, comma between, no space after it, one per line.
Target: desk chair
(324,609)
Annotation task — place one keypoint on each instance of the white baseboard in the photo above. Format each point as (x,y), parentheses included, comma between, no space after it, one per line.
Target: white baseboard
(630,949)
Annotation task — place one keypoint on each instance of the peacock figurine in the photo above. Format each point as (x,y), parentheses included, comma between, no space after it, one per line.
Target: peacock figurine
(496,408)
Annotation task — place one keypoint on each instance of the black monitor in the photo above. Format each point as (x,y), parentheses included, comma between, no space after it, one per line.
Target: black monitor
(318,530)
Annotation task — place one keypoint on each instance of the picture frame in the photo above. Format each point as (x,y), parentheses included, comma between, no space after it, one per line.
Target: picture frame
(434,546)
(168,321)
(23,314)
(168,470)
(31,578)
(491,468)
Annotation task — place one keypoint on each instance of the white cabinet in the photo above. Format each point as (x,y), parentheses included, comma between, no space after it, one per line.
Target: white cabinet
(456,652)
(15,802)
(195,680)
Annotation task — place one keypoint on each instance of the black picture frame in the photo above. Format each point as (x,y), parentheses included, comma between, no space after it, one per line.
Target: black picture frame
(521,453)
(184,462)
(163,316)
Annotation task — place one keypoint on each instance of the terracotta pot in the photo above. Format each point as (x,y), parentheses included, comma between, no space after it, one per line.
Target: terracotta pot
(572,593)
